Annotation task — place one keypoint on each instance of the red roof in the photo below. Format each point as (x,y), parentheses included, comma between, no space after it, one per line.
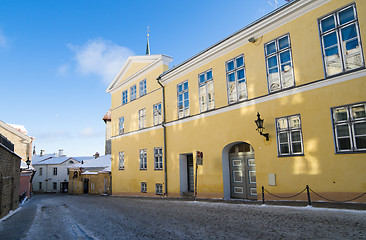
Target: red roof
(107,116)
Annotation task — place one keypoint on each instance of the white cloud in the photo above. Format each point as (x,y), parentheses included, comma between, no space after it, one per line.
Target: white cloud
(3,40)
(100,57)
(88,131)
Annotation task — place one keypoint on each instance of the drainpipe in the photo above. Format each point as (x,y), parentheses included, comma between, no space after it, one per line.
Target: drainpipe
(164,134)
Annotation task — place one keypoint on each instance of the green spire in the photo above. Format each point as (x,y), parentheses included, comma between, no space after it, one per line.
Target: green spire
(148,44)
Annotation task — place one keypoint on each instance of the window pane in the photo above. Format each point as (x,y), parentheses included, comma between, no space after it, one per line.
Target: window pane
(327,23)
(296,147)
(209,75)
(202,78)
(180,88)
(282,124)
(295,122)
(240,74)
(349,32)
(284,149)
(361,142)
(239,62)
(185,86)
(283,42)
(231,77)
(185,95)
(295,136)
(330,40)
(272,62)
(346,15)
(285,57)
(230,66)
(232,91)
(360,128)
(242,90)
(342,130)
(271,48)
(283,137)
(344,144)
(359,112)
(340,114)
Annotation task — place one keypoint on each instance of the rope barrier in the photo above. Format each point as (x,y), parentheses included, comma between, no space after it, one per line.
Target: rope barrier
(308,195)
(285,197)
(330,200)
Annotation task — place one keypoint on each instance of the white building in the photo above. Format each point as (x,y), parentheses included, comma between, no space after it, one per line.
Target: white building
(52,174)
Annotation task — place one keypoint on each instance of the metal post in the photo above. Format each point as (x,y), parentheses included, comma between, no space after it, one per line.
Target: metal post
(195,185)
(308,192)
(263,195)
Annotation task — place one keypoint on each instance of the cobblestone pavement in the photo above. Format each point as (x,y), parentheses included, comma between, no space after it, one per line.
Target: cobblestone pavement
(97,217)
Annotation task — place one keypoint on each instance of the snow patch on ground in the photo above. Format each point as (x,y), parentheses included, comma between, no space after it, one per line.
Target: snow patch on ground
(11,213)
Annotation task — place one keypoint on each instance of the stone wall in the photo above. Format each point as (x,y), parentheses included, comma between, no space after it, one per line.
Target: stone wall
(9,180)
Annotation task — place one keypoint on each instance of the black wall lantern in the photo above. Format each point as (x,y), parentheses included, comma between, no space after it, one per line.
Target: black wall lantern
(28,162)
(259,123)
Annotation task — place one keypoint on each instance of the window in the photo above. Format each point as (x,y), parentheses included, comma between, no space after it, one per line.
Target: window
(143,187)
(340,39)
(280,73)
(121,125)
(289,136)
(183,99)
(40,185)
(349,124)
(158,158)
(40,171)
(55,171)
(142,118)
(121,157)
(206,88)
(143,87)
(159,189)
(68,171)
(235,76)
(157,114)
(143,159)
(124,97)
(54,185)
(133,93)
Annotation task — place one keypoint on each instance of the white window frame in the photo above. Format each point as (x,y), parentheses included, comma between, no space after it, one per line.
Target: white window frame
(142,118)
(203,82)
(158,158)
(121,125)
(121,160)
(158,189)
(277,54)
(157,114)
(350,123)
(235,71)
(337,29)
(124,97)
(133,92)
(55,171)
(143,187)
(143,159)
(184,93)
(142,88)
(290,141)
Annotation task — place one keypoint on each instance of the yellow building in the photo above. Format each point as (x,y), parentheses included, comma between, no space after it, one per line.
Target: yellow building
(300,67)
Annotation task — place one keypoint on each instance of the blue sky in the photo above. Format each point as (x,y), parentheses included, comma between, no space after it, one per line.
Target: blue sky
(58,57)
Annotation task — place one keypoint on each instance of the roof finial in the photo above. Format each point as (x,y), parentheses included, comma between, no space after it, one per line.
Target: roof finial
(148,44)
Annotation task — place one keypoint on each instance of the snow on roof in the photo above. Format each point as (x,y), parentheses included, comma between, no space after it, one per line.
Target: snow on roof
(92,173)
(102,161)
(23,165)
(20,128)
(38,158)
(52,160)
(79,159)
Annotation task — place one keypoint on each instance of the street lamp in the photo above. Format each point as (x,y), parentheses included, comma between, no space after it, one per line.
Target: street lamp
(28,162)
(259,123)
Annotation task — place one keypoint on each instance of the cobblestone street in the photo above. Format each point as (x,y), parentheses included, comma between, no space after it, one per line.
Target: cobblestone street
(96,217)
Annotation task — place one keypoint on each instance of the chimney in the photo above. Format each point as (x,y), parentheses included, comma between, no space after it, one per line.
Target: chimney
(42,153)
(60,152)
(96,155)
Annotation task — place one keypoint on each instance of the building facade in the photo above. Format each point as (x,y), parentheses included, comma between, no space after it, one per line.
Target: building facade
(300,68)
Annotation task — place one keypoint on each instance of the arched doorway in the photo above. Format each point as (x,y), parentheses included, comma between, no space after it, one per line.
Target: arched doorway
(240,177)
